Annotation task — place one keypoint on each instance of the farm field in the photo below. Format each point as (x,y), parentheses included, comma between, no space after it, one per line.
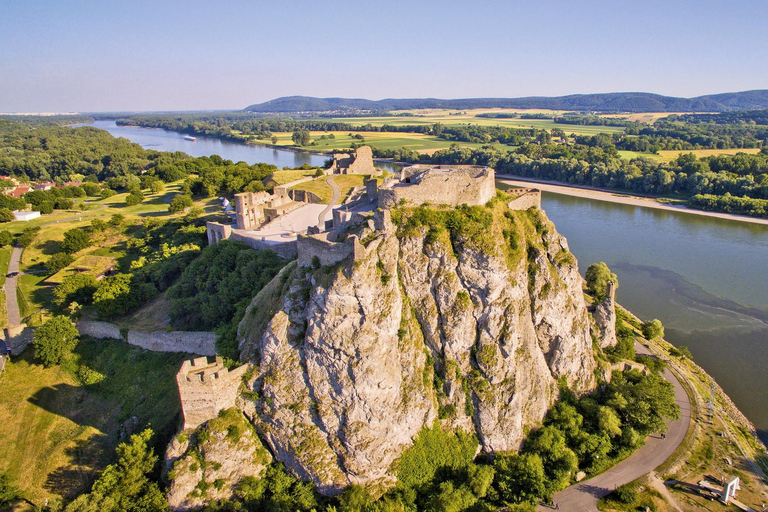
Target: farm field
(667,156)
(455,117)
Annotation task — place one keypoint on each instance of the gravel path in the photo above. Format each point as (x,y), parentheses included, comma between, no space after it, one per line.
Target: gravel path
(331,204)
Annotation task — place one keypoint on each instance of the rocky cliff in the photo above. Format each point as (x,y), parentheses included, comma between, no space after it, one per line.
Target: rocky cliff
(470,315)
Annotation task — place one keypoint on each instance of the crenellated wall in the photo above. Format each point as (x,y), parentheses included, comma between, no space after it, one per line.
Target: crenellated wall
(527,198)
(205,388)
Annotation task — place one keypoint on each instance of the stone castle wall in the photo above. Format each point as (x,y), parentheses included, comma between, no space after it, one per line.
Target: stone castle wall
(327,252)
(286,250)
(217,232)
(191,342)
(527,198)
(361,162)
(205,388)
(447,185)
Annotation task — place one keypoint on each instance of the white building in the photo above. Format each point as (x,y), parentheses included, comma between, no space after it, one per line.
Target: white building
(25,215)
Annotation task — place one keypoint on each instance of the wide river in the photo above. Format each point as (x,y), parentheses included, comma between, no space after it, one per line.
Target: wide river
(706,279)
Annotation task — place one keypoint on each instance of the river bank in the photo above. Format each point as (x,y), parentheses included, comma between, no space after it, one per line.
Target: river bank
(610,196)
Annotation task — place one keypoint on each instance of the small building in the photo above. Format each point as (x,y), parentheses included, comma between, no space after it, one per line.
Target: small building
(47,185)
(19,191)
(25,215)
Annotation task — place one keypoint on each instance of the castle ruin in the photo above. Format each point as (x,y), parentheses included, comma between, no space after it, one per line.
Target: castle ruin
(451,185)
(205,388)
(360,162)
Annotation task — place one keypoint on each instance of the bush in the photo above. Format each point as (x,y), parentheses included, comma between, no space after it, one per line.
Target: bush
(57,262)
(44,208)
(598,276)
(27,236)
(75,240)
(6,238)
(6,215)
(75,288)
(107,193)
(653,329)
(91,189)
(55,340)
(180,203)
(625,494)
(133,199)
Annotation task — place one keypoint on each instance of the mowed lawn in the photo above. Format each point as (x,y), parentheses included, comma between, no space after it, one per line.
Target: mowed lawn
(57,433)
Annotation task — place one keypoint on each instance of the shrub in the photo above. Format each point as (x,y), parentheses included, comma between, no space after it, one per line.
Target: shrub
(75,288)
(653,329)
(133,199)
(598,276)
(625,494)
(180,203)
(58,261)
(75,240)
(6,238)
(6,215)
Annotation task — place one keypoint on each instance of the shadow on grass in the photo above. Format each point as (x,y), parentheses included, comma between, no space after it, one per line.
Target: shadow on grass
(88,458)
(50,247)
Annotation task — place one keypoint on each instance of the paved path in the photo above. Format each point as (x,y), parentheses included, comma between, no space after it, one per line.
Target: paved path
(11,303)
(583,496)
(331,204)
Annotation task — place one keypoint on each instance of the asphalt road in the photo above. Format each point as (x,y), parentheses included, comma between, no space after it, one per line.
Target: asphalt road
(11,304)
(583,496)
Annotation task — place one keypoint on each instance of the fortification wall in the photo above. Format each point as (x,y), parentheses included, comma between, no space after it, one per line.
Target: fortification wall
(528,198)
(249,209)
(363,162)
(191,342)
(286,250)
(206,388)
(447,185)
(217,232)
(326,251)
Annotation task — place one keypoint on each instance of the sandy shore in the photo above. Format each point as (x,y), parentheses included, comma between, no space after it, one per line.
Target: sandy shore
(615,197)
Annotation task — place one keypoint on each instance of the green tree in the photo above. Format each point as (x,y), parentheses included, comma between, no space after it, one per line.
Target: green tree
(116,220)
(55,340)
(156,186)
(133,199)
(598,275)
(75,288)
(653,329)
(6,215)
(301,137)
(45,207)
(27,236)
(117,295)
(125,485)
(180,203)
(9,493)
(519,478)
(91,189)
(58,261)
(75,240)
(274,139)
(6,238)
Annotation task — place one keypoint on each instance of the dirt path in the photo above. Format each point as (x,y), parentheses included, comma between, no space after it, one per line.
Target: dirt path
(617,197)
(583,496)
(11,302)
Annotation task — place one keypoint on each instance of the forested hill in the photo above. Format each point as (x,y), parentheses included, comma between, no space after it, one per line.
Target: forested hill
(610,102)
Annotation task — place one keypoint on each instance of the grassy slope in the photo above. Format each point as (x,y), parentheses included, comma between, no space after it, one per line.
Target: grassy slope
(5,257)
(345,182)
(57,433)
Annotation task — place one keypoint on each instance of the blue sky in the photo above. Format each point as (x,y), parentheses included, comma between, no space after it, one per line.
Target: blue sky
(168,55)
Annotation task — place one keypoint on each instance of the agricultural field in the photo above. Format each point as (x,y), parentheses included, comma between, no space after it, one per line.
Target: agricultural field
(667,156)
(459,117)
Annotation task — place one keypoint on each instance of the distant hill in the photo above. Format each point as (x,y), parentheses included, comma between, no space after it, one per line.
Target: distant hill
(609,102)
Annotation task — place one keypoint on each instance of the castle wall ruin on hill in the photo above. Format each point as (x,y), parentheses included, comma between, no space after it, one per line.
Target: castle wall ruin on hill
(360,162)
(205,388)
(526,198)
(451,185)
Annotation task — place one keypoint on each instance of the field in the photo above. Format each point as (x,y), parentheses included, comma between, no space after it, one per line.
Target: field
(58,433)
(5,257)
(457,117)
(668,156)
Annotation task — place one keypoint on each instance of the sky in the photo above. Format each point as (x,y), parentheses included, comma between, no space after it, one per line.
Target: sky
(131,55)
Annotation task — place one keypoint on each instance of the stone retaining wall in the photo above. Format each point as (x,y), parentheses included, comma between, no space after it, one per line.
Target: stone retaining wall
(192,342)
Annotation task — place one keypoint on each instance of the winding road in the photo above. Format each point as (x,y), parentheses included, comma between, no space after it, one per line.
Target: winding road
(583,496)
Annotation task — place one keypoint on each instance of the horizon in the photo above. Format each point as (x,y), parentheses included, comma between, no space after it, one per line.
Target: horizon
(192,56)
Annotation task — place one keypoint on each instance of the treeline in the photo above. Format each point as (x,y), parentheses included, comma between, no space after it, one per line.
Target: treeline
(673,135)
(37,120)
(737,117)
(586,120)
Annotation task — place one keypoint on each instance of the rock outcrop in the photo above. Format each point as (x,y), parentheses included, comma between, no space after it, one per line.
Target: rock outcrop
(605,318)
(471,315)
(207,463)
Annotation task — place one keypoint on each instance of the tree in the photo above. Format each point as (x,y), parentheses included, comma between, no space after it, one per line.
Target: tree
(9,493)
(27,236)
(519,477)
(274,139)
(125,485)
(44,208)
(6,238)
(91,189)
(75,240)
(157,186)
(300,137)
(133,199)
(598,275)
(180,203)
(57,262)
(55,340)
(6,215)
(653,329)
(78,288)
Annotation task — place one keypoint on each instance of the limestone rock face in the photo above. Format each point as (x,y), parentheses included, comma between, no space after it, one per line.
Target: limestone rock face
(207,464)
(605,318)
(427,323)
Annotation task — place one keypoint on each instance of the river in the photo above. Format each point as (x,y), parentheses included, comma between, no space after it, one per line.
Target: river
(706,279)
